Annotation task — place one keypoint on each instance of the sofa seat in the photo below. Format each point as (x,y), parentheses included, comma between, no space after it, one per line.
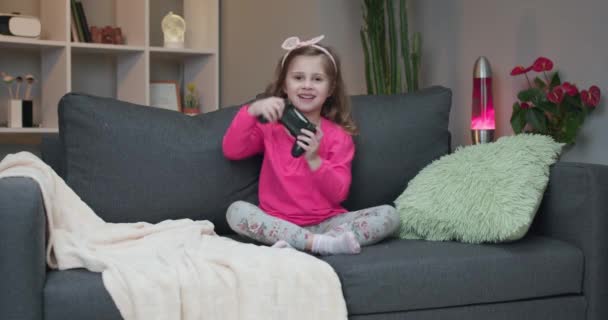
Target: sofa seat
(407,274)
(414,275)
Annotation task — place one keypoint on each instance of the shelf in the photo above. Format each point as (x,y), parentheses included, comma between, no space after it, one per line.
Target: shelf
(83,47)
(29,43)
(185,52)
(122,72)
(28,130)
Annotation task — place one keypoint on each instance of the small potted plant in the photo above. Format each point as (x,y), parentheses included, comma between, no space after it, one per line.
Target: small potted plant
(549,106)
(191,101)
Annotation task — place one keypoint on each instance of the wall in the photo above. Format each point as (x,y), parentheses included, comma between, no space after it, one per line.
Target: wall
(252,33)
(510,33)
(455,34)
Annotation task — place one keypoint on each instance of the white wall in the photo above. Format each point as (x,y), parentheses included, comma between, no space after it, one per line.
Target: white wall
(508,33)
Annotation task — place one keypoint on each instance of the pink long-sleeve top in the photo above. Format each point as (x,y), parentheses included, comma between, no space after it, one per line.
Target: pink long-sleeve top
(288,188)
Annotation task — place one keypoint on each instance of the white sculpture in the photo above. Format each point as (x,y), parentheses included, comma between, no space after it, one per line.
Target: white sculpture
(174,28)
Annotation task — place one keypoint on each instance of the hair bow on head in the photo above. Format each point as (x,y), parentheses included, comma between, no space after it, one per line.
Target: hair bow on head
(294,42)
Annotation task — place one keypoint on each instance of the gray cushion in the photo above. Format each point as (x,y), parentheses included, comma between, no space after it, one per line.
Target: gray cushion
(557,308)
(410,274)
(52,152)
(393,276)
(77,294)
(136,163)
(399,135)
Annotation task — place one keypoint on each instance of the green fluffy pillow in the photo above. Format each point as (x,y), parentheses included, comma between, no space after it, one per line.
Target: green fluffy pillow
(482,193)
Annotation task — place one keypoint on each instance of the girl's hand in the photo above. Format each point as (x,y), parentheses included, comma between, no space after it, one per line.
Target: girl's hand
(270,108)
(309,141)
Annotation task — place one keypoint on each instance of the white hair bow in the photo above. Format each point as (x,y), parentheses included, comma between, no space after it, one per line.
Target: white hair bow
(293,43)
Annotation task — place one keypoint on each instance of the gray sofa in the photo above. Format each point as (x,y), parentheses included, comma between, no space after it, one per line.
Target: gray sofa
(132,163)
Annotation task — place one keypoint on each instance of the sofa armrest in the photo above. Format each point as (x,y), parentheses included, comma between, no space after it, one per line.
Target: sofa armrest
(575,209)
(22,249)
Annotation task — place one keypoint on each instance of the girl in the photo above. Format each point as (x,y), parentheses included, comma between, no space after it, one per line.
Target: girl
(300,197)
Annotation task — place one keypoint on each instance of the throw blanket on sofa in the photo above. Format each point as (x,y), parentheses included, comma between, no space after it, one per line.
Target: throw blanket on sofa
(179,269)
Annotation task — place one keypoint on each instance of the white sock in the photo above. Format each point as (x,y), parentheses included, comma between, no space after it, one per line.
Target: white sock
(345,243)
(282,244)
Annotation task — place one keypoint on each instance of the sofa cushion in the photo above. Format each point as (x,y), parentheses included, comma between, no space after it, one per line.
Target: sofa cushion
(399,135)
(481,193)
(393,276)
(136,163)
(77,294)
(414,274)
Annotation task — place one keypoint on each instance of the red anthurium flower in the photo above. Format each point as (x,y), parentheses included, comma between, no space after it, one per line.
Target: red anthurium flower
(520,70)
(556,95)
(542,64)
(591,97)
(525,105)
(570,89)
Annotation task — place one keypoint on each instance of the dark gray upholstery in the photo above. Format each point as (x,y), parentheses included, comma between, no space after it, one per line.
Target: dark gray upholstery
(52,152)
(412,275)
(575,209)
(556,308)
(557,272)
(399,135)
(22,254)
(136,163)
(77,294)
(408,275)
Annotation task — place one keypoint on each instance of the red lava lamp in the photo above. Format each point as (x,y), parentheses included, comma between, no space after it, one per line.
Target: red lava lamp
(482,115)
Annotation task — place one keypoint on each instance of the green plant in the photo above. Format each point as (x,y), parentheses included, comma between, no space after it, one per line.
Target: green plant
(549,106)
(191,99)
(390,55)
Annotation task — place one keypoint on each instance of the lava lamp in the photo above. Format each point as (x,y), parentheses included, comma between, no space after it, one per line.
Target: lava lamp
(482,110)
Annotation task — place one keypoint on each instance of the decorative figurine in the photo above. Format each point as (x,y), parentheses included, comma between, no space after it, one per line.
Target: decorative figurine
(174,28)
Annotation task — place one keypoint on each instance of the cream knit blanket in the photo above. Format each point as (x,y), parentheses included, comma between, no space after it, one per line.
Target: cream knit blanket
(179,269)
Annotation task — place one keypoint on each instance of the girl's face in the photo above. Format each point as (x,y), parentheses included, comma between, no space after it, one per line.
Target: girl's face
(307,85)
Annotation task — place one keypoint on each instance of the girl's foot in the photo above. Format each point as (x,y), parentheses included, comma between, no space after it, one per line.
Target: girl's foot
(345,243)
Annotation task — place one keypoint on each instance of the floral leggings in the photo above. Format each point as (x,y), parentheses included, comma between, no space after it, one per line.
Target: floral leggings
(369,225)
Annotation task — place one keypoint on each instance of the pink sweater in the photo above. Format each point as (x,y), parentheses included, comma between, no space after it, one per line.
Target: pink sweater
(288,188)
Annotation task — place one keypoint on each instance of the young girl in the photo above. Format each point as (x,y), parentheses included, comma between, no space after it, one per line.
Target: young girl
(300,197)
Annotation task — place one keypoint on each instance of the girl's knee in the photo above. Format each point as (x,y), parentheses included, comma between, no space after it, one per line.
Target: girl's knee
(388,211)
(235,211)
(392,216)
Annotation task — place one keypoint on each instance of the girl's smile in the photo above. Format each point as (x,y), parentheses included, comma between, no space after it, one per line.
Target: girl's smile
(307,85)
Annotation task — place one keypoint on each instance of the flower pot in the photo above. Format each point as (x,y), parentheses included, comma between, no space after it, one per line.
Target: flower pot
(191,111)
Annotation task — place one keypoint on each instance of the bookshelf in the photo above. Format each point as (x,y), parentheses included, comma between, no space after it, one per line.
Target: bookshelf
(119,71)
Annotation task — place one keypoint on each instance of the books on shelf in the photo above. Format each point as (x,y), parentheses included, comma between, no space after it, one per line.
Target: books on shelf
(80,27)
(81,31)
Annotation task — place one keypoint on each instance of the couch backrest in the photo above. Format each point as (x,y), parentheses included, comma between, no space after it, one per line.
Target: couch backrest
(399,135)
(136,163)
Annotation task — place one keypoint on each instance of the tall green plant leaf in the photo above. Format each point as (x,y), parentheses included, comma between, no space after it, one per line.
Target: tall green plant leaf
(415,59)
(405,43)
(393,65)
(368,76)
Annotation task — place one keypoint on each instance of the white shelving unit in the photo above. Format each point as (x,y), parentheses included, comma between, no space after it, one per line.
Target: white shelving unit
(118,71)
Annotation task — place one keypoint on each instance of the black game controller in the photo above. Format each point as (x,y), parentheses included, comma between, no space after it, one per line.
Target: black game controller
(294,121)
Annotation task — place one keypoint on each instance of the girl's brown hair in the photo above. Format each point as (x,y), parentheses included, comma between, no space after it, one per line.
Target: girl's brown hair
(337,106)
